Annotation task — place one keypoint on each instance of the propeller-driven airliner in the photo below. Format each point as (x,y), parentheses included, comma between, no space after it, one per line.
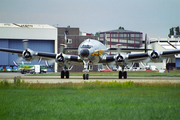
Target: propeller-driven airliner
(93,52)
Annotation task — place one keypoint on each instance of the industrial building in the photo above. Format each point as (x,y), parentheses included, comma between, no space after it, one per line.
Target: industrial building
(41,37)
(128,39)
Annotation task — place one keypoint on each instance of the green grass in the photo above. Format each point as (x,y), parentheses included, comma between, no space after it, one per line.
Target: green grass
(173,73)
(89,100)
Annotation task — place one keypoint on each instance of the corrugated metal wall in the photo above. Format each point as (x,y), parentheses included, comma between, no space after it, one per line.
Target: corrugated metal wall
(36,45)
(4,56)
(177,62)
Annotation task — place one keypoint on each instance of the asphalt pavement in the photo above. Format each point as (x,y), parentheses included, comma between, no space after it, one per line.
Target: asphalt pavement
(78,79)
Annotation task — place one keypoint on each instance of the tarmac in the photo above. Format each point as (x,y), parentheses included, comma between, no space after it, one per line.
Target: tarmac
(79,79)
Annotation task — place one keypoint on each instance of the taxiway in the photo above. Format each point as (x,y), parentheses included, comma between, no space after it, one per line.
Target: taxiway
(78,79)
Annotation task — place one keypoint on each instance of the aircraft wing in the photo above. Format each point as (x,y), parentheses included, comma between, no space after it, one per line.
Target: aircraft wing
(37,54)
(154,56)
(30,55)
(11,50)
(127,50)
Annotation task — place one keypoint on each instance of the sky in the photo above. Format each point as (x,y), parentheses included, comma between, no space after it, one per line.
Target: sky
(152,17)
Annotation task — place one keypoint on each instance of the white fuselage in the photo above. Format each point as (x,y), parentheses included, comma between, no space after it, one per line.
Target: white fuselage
(88,47)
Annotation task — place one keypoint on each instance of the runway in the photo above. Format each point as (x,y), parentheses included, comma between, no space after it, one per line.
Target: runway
(78,79)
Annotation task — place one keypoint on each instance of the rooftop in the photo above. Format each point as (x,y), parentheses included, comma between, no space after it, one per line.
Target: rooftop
(17,25)
(120,31)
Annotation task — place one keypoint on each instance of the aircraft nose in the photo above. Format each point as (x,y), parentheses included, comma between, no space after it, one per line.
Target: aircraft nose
(84,53)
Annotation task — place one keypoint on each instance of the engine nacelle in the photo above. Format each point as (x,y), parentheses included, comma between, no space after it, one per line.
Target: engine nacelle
(120,59)
(60,58)
(28,55)
(155,56)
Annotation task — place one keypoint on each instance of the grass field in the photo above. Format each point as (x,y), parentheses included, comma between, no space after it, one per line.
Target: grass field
(90,100)
(173,73)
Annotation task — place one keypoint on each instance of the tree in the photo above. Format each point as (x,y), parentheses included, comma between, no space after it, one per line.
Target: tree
(177,30)
(97,34)
(121,28)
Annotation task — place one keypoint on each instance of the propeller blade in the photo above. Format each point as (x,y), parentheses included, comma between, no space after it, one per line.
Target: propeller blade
(25,44)
(119,48)
(19,60)
(62,47)
(40,59)
(49,62)
(105,40)
(146,61)
(153,46)
(15,63)
(65,41)
(146,42)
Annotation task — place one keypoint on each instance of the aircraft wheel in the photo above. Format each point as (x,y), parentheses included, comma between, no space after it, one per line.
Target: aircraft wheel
(62,74)
(125,75)
(84,76)
(87,76)
(67,74)
(120,75)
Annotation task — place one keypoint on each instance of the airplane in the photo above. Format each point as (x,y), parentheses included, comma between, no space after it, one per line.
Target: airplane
(93,52)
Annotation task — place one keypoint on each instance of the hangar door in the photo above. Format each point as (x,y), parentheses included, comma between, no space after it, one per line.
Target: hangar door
(177,62)
(3,55)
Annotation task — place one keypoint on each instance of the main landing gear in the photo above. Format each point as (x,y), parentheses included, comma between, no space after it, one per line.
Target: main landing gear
(122,74)
(64,73)
(85,76)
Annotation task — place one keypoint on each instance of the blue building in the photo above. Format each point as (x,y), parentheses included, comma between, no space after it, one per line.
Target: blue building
(41,37)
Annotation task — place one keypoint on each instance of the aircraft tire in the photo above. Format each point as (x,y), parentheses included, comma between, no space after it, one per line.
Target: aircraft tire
(67,74)
(125,75)
(120,75)
(84,77)
(87,76)
(62,74)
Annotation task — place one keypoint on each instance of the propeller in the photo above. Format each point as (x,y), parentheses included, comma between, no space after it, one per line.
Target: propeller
(20,56)
(60,58)
(154,55)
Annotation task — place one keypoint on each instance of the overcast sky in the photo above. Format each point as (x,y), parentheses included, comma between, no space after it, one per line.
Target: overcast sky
(153,17)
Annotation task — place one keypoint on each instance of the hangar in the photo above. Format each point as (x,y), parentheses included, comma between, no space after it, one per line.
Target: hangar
(163,44)
(41,37)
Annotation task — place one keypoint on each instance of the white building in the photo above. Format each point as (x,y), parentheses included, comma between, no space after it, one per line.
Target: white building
(163,44)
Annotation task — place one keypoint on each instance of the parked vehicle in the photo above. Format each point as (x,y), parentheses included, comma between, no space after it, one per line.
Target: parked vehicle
(32,69)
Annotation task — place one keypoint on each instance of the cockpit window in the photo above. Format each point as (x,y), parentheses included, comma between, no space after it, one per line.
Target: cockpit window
(86,46)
